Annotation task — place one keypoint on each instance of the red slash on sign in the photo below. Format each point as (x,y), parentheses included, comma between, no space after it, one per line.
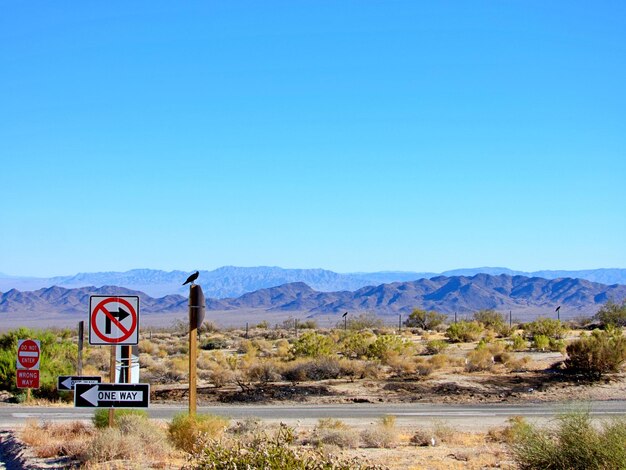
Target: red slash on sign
(28,352)
(113,320)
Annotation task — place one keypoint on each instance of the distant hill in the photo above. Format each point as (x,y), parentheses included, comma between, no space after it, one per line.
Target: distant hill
(231,281)
(520,294)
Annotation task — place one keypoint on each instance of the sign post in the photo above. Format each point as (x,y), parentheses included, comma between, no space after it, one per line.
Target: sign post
(196,316)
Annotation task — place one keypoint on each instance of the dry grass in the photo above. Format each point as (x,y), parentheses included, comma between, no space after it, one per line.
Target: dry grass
(52,439)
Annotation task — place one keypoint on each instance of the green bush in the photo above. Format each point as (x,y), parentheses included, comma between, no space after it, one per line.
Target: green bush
(425,320)
(612,313)
(190,433)
(101,416)
(355,344)
(489,318)
(518,343)
(541,342)
(436,346)
(464,331)
(546,327)
(574,443)
(385,344)
(312,344)
(600,353)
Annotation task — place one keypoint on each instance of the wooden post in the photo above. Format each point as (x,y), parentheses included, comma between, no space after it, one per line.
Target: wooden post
(196,315)
(510,319)
(399,323)
(79,364)
(455,317)
(112,380)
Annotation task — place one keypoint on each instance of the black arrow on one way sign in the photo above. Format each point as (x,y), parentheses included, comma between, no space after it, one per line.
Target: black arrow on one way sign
(121,314)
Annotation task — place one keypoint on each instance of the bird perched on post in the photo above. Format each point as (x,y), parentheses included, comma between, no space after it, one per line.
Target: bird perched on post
(192,278)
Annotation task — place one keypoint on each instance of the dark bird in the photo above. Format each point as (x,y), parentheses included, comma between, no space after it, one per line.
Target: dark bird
(558,308)
(344,314)
(192,278)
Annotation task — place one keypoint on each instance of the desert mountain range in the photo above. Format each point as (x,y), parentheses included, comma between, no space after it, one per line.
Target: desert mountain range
(448,294)
(231,281)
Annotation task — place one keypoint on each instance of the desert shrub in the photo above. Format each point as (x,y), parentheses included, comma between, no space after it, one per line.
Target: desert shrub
(101,416)
(246,346)
(214,342)
(426,320)
(436,346)
(383,435)
(573,443)
(148,347)
(479,360)
(334,432)
(189,433)
(545,326)
(464,331)
(541,342)
(312,344)
(363,321)
(264,371)
(443,431)
(355,344)
(135,439)
(518,343)
(517,365)
(612,313)
(385,344)
(400,364)
(208,327)
(263,325)
(490,319)
(249,425)
(47,439)
(423,438)
(317,369)
(600,353)
(307,325)
(273,452)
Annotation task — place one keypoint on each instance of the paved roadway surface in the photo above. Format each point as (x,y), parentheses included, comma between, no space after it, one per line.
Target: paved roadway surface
(462,417)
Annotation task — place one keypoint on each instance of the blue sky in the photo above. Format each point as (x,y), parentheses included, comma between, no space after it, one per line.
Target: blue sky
(352,136)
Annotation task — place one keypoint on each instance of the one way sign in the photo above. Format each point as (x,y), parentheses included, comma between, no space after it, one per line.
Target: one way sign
(67,382)
(111,395)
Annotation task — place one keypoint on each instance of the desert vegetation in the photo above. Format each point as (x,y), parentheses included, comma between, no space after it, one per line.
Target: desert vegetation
(480,358)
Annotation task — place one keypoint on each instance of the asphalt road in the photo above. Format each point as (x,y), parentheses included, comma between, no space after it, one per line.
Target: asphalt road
(462,417)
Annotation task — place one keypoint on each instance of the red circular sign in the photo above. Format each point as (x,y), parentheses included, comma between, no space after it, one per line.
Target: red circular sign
(102,309)
(28,353)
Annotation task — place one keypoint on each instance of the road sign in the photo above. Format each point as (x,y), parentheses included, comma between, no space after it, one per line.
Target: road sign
(27,378)
(67,382)
(113,320)
(111,395)
(28,352)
